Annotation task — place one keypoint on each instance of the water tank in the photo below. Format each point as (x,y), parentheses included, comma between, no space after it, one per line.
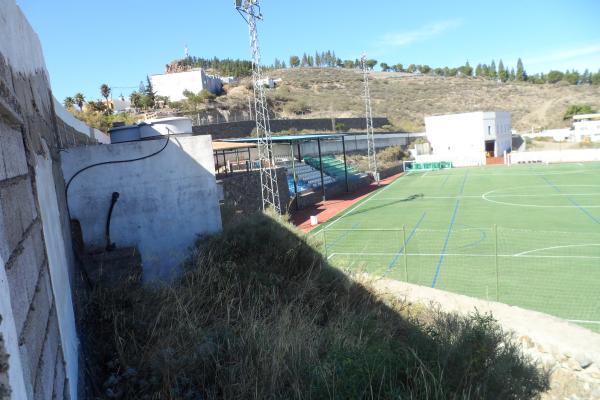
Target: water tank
(126,133)
(164,126)
(150,128)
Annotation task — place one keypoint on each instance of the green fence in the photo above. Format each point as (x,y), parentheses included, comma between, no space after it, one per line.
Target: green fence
(553,272)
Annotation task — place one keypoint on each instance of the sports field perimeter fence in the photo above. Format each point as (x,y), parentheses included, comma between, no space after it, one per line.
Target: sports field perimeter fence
(553,272)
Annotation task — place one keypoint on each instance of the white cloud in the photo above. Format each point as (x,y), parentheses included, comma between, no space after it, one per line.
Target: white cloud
(564,55)
(398,39)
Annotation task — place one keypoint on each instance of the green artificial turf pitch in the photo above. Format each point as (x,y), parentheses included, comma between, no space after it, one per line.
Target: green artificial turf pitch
(525,235)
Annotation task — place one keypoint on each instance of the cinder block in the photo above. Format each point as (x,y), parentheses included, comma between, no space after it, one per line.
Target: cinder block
(32,337)
(13,151)
(23,275)
(11,226)
(59,378)
(45,375)
(26,202)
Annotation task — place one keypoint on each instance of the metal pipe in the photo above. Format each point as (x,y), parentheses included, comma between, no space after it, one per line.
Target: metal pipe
(295,176)
(321,165)
(110,246)
(345,164)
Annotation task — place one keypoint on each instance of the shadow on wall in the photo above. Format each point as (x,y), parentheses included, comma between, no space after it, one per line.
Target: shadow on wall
(262,315)
(166,198)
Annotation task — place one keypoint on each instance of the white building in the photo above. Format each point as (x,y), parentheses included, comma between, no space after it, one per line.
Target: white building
(469,138)
(266,82)
(229,80)
(119,104)
(586,127)
(174,84)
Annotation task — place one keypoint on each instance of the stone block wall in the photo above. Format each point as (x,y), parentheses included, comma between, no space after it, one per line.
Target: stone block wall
(241,193)
(230,130)
(39,351)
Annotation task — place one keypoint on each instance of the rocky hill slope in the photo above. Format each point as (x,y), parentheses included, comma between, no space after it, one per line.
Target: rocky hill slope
(405,98)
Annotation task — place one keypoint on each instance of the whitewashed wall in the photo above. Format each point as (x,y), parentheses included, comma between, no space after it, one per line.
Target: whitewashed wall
(165,201)
(582,155)
(461,137)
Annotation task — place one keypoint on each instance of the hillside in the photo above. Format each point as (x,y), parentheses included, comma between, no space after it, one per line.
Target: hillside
(405,99)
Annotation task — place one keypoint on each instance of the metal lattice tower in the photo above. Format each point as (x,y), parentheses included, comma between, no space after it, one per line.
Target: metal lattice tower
(369,117)
(250,11)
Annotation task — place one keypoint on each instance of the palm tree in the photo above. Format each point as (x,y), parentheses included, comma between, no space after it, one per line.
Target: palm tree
(68,102)
(105,92)
(79,100)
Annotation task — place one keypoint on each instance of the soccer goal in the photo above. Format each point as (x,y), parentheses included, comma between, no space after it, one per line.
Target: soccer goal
(426,166)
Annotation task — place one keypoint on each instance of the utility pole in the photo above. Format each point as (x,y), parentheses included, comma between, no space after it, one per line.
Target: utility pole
(250,11)
(369,117)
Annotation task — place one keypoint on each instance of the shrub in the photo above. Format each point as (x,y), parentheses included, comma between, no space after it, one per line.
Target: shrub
(578,109)
(296,107)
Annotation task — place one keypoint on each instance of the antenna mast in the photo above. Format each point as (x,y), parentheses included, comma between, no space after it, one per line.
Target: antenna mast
(369,117)
(250,11)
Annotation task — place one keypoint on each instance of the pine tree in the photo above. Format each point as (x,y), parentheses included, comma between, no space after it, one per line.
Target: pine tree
(493,73)
(502,71)
(467,69)
(521,74)
(149,93)
(478,70)
(304,60)
(485,71)
(318,60)
(311,61)
(512,74)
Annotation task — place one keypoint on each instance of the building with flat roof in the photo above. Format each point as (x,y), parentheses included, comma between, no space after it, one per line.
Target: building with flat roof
(586,127)
(172,85)
(469,138)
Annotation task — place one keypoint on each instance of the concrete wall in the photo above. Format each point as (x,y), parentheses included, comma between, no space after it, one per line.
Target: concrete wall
(590,129)
(37,265)
(460,138)
(76,125)
(554,156)
(174,84)
(231,130)
(165,200)
(242,195)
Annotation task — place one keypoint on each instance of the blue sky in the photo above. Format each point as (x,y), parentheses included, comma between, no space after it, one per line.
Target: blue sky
(87,43)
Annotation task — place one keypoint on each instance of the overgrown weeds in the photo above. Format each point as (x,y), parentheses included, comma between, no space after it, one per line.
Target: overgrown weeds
(258,314)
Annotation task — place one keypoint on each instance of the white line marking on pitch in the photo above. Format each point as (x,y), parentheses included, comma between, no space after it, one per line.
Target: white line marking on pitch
(361,203)
(486,198)
(583,321)
(557,247)
(463,255)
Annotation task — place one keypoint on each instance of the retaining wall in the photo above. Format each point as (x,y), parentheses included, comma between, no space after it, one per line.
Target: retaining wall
(37,266)
(239,129)
(242,192)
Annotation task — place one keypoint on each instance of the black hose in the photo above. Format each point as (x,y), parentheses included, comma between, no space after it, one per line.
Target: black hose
(110,246)
(106,163)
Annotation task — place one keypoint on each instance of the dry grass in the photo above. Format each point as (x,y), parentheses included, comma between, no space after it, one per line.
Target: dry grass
(259,315)
(405,99)
(389,157)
